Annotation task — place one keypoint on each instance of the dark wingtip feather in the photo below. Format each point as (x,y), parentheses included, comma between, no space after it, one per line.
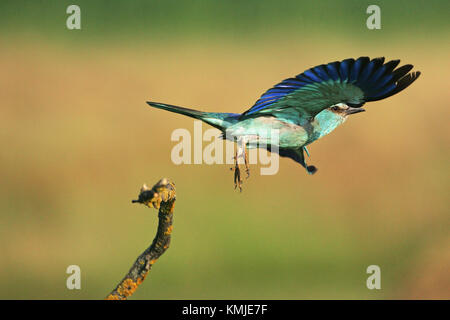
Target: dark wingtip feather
(402,71)
(401,84)
(379,60)
(404,82)
(391,65)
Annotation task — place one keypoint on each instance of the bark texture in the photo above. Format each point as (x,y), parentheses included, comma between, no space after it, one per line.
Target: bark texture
(162,196)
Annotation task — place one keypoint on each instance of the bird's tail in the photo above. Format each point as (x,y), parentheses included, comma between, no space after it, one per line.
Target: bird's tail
(218,120)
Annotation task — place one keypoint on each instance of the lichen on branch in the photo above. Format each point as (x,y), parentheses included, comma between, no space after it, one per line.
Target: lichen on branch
(161,196)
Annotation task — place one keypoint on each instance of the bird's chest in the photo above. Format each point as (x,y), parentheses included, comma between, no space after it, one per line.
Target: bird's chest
(271,131)
(321,126)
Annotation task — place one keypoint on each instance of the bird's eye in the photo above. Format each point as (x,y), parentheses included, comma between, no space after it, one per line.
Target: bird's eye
(335,108)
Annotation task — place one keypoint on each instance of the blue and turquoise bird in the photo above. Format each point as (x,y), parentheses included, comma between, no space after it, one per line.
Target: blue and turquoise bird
(306,107)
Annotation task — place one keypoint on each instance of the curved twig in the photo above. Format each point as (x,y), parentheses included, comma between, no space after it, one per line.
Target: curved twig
(161,196)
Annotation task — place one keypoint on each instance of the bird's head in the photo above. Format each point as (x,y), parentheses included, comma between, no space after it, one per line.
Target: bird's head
(343,110)
(329,119)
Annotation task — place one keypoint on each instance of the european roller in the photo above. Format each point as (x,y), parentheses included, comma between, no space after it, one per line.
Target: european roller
(306,107)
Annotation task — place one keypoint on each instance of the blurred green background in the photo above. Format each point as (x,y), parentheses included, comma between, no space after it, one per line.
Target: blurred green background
(77,142)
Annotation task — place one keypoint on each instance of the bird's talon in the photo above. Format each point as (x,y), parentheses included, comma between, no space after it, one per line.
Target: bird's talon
(237,177)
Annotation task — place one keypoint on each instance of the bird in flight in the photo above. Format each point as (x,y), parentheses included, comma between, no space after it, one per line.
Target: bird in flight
(306,107)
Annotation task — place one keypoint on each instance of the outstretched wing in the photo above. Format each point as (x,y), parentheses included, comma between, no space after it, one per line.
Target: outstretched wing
(350,81)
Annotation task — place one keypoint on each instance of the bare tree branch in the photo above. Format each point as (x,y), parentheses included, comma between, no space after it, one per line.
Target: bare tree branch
(162,196)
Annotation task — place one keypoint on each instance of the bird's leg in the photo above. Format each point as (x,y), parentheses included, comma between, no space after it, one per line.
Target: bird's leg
(247,167)
(237,172)
(240,152)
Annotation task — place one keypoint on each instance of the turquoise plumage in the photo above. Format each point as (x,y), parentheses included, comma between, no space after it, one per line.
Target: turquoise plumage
(309,106)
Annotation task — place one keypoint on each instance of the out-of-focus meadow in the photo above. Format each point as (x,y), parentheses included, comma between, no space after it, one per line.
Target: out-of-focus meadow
(77,142)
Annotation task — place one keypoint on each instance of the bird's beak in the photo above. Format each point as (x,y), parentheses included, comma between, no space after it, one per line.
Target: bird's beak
(354,110)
